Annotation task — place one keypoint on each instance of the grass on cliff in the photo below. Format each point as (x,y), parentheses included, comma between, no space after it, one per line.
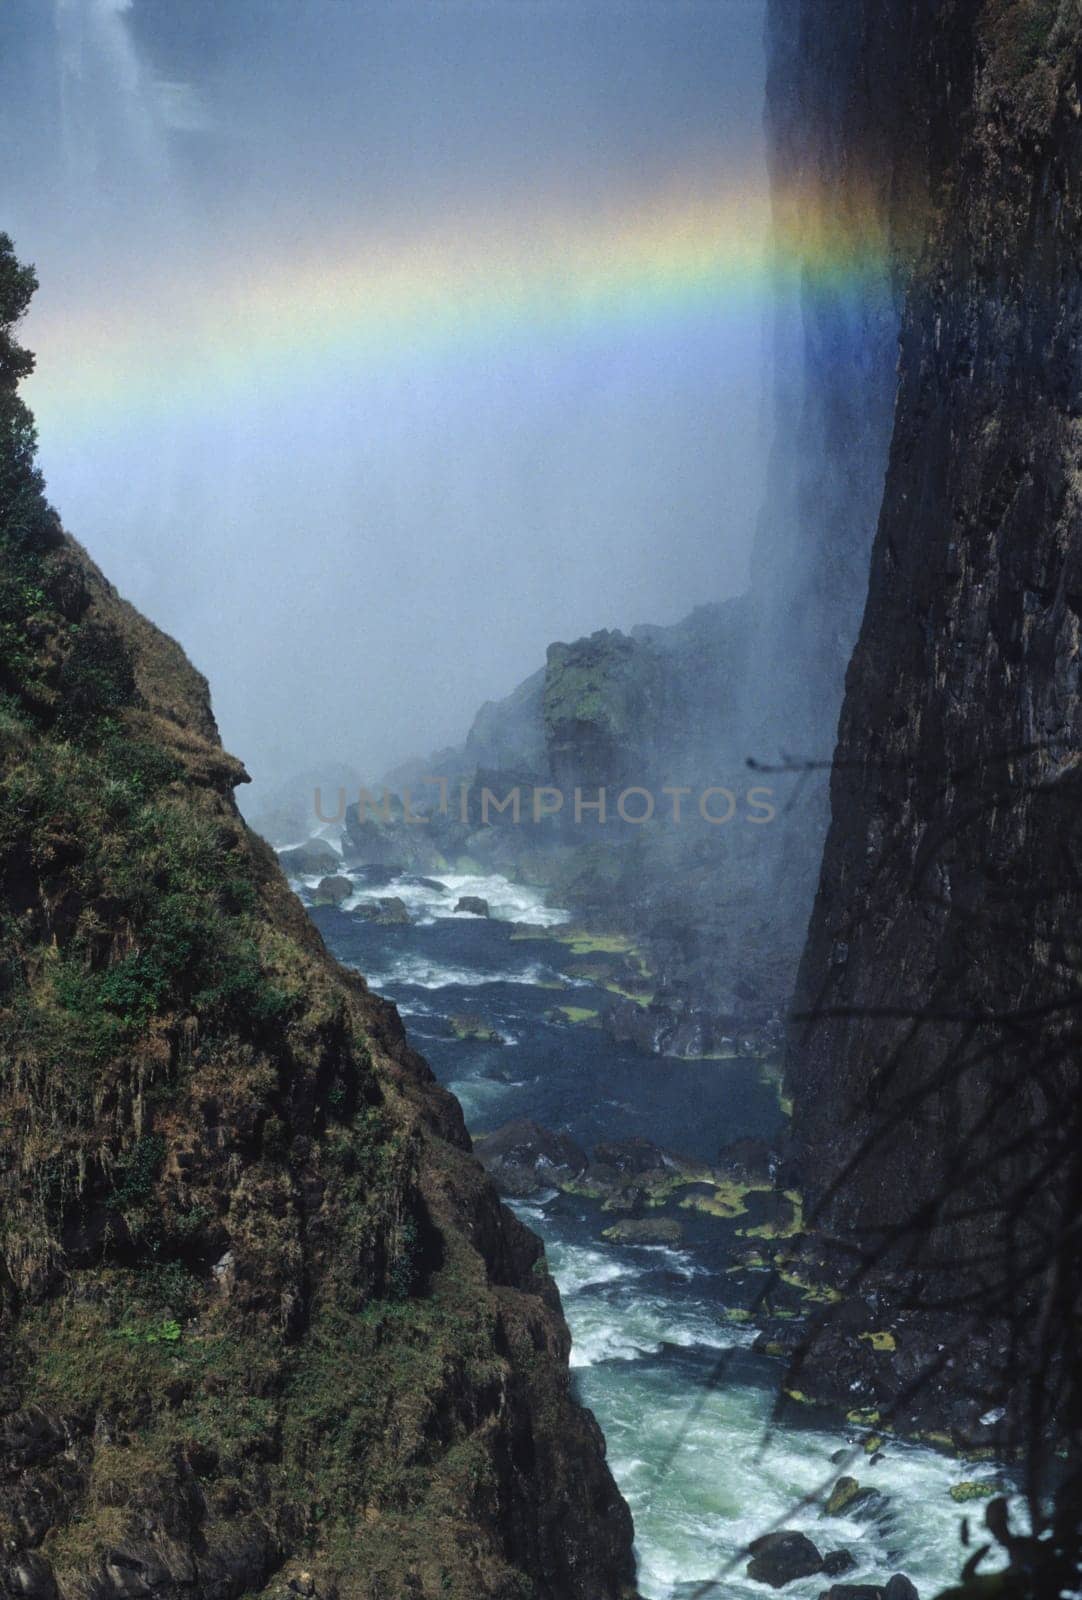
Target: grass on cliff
(220,1286)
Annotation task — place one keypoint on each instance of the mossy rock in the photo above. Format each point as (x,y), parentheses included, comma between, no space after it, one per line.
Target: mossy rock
(812,1293)
(645,1230)
(963,1493)
(468,1025)
(581,1015)
(388,911)
(844,1492)
(724,1199)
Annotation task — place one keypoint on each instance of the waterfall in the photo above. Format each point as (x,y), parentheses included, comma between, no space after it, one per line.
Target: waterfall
(113,140)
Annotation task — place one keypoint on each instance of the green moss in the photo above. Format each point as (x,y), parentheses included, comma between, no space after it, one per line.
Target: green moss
(800,1397)
(881,1340)
(726,1199)
(841,1497)
(785,1228)
(582,942)
(962,1493)
(811,1292)
(578,1013)
(467,1025)
(585,1191)
(940,1441)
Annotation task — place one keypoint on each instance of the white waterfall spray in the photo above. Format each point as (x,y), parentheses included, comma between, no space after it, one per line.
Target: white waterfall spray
(113,138)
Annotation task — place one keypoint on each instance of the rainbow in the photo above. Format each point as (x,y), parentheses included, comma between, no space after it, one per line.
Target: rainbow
(362,304)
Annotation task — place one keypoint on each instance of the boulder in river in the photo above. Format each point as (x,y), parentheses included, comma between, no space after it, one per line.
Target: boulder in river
(899,1588)
(841,1497)
(523,1157)
(960,1493)
(468,1025)
(853,1591)
(645,1230)
(781,1558)
(869,1505)
(332,891)
(303,860)
(388,911)
(607,969)
(405,845)
(375,876)
(835,1562)
(631,1157)
(473,904)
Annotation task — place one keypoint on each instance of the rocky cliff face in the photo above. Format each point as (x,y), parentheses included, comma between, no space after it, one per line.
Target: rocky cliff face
(260,1310)
(935,1085)
(847,132)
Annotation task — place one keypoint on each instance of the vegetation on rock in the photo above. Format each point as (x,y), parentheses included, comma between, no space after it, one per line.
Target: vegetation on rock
(258,1304)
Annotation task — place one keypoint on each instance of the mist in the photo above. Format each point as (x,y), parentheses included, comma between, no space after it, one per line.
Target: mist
(371,352)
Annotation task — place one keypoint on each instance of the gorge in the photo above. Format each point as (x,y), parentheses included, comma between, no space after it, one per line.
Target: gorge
(781,1097)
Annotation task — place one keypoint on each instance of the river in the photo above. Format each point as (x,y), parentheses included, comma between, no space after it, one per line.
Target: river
(687,1407)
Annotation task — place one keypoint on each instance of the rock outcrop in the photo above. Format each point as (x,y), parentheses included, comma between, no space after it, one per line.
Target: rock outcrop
(263,1320)
(935,1081)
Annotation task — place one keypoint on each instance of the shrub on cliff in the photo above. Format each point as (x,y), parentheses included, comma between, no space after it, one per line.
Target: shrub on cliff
(257,1302)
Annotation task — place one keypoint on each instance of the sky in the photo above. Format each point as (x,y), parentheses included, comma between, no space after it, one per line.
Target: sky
(379,345)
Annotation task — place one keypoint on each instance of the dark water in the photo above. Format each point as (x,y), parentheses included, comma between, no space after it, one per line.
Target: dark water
(566,1076)
(686,1406)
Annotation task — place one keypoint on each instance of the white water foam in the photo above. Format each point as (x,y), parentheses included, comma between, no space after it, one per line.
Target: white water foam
(704,1469)
(611,1319)
(705,1472)
(429,902)
(507,901)
(422,972)
(700,1463)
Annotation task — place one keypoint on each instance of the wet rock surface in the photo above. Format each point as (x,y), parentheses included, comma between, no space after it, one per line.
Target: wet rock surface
(472,905)
(940,877)
(522,1157)
(781,1558)
(306,859)
(332,891)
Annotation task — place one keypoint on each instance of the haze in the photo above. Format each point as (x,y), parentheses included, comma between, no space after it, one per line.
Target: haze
(362,522)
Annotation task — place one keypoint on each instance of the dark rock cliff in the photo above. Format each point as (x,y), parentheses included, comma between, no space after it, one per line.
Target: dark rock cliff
(935,1082)
(846,132)
(260,1309)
